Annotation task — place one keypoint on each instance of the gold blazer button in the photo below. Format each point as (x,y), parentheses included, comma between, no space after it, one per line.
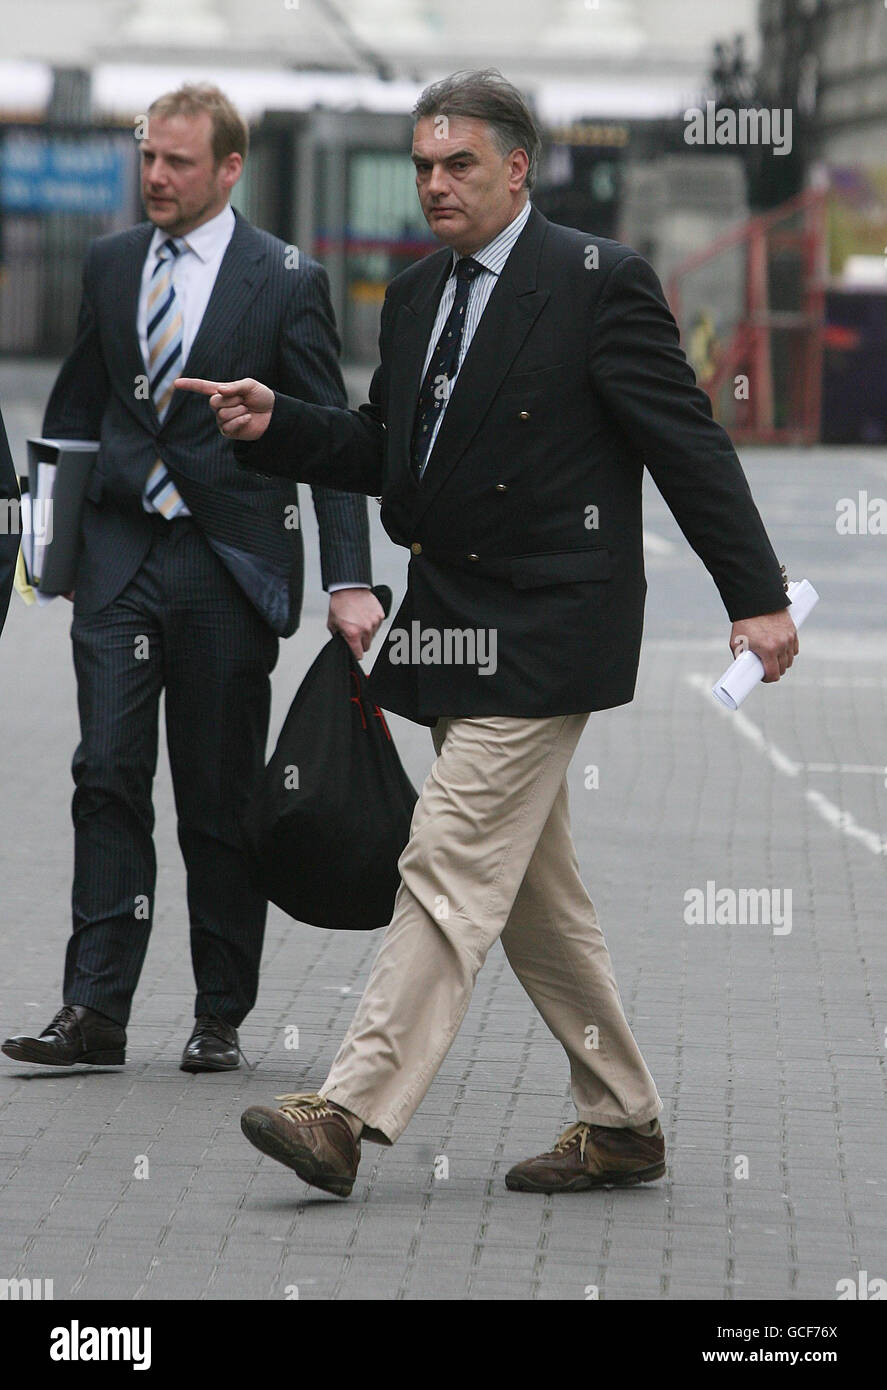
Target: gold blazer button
(472,556)
(524,415)
(416,548)
(501,487)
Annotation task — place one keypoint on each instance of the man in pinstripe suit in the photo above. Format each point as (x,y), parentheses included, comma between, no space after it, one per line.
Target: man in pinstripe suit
(190,571)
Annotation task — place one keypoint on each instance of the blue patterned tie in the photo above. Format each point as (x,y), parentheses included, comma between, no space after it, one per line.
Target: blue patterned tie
(435,389)
(164,365)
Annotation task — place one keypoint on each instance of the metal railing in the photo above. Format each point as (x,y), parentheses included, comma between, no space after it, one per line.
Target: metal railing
(758,350)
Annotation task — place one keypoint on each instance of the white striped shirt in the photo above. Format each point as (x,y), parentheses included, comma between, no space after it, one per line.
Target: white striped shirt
(492,258)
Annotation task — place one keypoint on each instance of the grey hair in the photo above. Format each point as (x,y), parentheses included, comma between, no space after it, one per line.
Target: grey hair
(487,96)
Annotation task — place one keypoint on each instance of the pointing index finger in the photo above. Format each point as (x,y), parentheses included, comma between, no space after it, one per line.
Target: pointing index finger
(194,383)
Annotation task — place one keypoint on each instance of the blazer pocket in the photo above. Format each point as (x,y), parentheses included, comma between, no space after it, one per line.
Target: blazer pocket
(526,381)
(561,567)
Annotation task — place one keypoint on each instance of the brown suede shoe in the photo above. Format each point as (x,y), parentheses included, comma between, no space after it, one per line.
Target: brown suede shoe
(587,1156)
(310,1136)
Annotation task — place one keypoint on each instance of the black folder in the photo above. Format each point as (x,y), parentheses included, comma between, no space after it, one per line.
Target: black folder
(58,476)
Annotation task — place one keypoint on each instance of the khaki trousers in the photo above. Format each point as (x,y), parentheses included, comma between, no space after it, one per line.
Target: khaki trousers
(490,855)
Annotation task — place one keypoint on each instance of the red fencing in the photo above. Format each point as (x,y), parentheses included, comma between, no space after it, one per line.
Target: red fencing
(751,309)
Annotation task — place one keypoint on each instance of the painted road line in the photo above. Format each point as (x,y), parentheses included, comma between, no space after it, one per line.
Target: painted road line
(833,815)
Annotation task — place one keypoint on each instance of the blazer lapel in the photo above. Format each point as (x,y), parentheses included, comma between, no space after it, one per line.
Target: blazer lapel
(511,311)
(240,275)
(412,332)
(127,359)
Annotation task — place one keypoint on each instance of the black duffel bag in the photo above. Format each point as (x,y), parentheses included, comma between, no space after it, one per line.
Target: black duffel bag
(331,813)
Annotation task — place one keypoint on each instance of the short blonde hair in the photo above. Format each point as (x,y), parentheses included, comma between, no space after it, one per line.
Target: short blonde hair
(230,134)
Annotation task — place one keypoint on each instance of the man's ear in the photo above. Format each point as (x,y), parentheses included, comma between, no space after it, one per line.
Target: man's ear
(231,169)
(519,162)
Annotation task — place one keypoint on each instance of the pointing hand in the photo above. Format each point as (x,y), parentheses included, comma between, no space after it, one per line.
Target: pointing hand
(242,408)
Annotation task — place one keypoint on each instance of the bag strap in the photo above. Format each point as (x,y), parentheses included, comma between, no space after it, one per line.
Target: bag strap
(358,699)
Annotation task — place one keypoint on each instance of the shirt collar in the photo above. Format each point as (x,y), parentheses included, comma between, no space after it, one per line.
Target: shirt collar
(207,240)
(496,252)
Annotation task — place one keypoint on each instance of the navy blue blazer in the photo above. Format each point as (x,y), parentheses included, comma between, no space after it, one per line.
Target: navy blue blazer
(527,521)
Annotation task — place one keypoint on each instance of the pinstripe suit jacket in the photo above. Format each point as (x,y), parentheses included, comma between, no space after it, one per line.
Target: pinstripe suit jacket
(265,318)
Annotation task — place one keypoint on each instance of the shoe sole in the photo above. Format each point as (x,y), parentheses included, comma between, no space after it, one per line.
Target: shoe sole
(260,1132)
(92,1059)
(587,1184)
(208,1066)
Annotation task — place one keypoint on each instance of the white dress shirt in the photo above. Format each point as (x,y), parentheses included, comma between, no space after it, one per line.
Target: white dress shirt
(492,258)
(193,275)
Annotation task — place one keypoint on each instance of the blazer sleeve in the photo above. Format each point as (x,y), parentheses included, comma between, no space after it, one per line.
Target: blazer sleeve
(10,537)
(80,394)
(326,444)
(637,366)
(308,369)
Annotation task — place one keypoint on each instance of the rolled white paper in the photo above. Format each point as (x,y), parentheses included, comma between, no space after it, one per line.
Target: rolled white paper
(740,679)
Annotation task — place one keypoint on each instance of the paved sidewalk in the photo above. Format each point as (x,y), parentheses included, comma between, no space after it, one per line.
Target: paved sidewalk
(768,1046)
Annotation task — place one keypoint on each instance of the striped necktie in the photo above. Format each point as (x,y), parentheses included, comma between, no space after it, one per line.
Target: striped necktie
(164,365)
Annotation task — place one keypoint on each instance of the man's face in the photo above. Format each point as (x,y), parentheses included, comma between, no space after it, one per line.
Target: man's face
(468,190)
(182,186)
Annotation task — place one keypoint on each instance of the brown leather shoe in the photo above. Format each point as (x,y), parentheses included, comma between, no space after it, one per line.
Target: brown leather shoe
(310,1136)
(76,1034)
(587,1156)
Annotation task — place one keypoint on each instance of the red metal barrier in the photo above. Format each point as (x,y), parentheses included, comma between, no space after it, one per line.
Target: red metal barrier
(775,339)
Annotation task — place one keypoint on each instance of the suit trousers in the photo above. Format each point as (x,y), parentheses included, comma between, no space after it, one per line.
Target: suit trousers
(490,855)
(182,626)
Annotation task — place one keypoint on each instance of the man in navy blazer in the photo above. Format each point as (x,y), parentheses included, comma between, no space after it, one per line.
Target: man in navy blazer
(190,572)
(528,373)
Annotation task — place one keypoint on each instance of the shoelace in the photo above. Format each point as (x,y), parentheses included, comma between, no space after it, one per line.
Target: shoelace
(65,1015)
(206,1026)
(580,1130)
(302,1106)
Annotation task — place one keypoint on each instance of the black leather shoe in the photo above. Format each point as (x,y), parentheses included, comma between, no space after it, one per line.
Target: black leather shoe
(76,1034)
(213,1046)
